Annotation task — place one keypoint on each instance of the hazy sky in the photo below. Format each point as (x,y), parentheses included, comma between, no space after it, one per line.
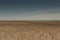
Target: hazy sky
(29,9)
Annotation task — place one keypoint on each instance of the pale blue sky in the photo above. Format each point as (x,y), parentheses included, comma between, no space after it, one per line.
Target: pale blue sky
(29,9)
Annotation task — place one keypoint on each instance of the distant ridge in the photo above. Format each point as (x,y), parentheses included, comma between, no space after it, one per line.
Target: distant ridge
(29,23)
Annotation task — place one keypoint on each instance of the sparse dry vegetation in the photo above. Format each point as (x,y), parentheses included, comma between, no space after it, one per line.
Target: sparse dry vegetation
(29,30)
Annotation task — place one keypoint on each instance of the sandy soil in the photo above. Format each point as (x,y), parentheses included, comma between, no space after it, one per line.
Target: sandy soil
(29,30)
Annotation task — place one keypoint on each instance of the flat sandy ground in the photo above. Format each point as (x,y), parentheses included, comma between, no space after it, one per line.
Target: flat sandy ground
(29,30)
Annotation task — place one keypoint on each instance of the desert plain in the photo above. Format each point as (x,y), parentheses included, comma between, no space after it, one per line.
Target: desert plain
(29,30)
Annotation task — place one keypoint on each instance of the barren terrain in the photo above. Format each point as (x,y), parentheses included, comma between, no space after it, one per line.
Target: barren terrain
(29,30)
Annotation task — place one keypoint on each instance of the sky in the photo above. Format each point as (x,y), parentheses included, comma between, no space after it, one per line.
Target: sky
(29,9)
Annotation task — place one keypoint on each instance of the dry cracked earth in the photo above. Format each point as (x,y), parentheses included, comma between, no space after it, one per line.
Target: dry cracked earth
(29,30)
